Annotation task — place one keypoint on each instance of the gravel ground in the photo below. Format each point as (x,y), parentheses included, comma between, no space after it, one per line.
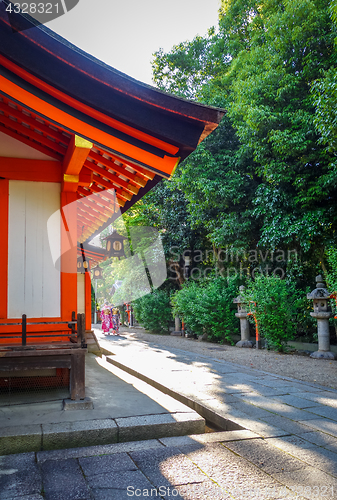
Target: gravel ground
(317,371)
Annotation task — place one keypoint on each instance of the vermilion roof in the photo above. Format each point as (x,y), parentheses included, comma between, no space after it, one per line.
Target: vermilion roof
(51,91)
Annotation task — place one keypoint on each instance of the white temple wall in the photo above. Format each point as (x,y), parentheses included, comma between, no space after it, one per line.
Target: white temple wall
(34,286)
(80,293)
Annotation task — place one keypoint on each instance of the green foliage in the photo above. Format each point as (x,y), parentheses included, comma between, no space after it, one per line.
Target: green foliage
(331,276)
(153,311)
(325,99)
(219,183)
(166,210)
(305,325)
(331,279)
(189,66)
(275,309)
(285,47)
(266,177)
(207,306)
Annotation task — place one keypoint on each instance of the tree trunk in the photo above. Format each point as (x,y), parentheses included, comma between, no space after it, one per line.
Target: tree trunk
(218,263)
(179,272)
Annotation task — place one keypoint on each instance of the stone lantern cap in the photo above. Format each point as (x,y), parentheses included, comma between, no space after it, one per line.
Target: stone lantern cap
(320,291)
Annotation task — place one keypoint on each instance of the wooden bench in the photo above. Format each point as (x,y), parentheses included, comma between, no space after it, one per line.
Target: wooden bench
(46,350)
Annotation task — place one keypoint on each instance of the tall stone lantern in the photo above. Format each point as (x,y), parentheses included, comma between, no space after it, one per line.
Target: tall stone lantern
(322,312)
(242,314)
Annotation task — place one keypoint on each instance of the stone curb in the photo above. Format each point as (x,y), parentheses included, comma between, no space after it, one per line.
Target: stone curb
(38,437)
(131,446)
(208,414)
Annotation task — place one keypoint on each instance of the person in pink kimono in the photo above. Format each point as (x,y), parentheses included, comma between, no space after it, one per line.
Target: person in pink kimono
(106,318)
(115,321)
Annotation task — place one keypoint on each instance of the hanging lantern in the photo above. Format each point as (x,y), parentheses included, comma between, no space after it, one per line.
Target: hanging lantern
(82,262)
(115,245)
(82,265)
(97,273)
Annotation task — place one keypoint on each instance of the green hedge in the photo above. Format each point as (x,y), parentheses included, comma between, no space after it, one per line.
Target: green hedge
(276,309)
(206,306)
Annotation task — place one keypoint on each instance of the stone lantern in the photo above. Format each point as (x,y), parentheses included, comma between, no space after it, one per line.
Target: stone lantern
(242,314)
(322,312)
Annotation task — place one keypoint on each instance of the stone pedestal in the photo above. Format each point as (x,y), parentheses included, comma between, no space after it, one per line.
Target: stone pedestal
(323,336)
(244,329)
(177,327)
(81,404)
(242,314)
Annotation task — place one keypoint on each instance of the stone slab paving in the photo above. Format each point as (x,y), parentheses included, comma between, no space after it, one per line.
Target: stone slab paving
(327,411)
(19,477)
(209,466)
(296,401)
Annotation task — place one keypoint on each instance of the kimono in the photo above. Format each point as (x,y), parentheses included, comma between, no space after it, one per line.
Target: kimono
(106,318)
(115,321)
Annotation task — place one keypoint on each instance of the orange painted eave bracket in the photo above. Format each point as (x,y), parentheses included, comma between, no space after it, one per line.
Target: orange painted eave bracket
(76,155)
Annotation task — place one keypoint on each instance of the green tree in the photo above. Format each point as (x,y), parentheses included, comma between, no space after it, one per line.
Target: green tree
(219,183)
(187,69)
(325,99)
(281,50)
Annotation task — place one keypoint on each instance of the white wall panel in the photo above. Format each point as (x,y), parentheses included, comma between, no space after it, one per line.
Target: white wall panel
(33,282)
(80,293)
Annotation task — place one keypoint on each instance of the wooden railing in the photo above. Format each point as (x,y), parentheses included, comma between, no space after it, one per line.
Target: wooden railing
(75,335)
(50,349)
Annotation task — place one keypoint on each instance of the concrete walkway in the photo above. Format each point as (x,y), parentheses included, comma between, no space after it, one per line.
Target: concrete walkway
(280,443)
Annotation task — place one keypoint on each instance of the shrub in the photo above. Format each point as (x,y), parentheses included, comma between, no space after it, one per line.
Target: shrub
(275,309)
(206,306)
(306,325)
(331,279)
(153,311)
(331,276)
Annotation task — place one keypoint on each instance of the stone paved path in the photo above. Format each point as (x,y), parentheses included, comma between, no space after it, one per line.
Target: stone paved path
(231,465)
(295,423)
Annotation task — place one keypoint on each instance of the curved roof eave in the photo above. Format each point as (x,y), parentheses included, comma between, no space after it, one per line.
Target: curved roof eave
(71,71)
